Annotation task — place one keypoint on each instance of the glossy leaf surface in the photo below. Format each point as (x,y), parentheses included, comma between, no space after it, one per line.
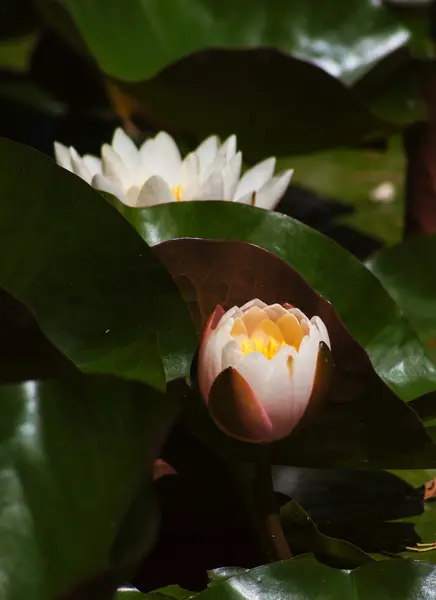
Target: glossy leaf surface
(140,40)
(358,404)
(408,272)
(393,347)
(96,289)
(305,579)
(74,453)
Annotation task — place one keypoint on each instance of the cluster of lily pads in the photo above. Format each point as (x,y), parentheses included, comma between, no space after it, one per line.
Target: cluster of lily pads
(201,396)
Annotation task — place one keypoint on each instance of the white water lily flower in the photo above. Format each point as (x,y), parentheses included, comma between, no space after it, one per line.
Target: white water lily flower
(156,173)
(258,366)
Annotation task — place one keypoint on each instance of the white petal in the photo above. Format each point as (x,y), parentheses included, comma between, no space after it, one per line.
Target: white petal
(80,169)
(207,152)
(271,193)
(211,356)
(228,148)
(132,195)
(256,369)
(93,164)
(188,176)
(62,156)
(126,150)
(304,371)
(319,323)
(212,189)
(113,167)
(231,175)
(231,355)
(155,191)
(275,311)
(283,408)
(102,183)
(255,178)
(251,303)
(232,313)
(161,156)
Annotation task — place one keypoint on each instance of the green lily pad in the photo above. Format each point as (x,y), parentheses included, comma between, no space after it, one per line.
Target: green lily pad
(74,453)
(357,403)
(305,579)
(172,592)
(409,275)
(243,88)
(96,289)
(142,38)
(393,347)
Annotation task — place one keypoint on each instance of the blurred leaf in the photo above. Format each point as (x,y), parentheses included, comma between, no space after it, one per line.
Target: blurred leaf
(358,405)
(73,454)
(415,477)
(351,175)
(145,37)
(361,507)
(305,579)
(304,536)
(425,527)
(17,18)
(396,353)
(225,92)
(15,54)
(23,93)
(347,496)
(408,273)
(397,96)
(97,290)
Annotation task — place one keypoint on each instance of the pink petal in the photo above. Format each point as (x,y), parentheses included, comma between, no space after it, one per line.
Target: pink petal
(208,365)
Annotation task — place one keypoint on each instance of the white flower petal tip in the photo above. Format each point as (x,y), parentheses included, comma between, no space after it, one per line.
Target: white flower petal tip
(384,193)
(261,368)
(211,172)
(62,156)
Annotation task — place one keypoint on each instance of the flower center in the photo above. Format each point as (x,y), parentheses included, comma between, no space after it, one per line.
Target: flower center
(268,348)
(178,192)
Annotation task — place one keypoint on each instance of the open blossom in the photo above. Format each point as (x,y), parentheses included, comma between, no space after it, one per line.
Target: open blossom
(156,173)
(267,358)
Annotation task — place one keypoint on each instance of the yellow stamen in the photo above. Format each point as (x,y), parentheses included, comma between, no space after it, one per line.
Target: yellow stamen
(178,192)
(269,349)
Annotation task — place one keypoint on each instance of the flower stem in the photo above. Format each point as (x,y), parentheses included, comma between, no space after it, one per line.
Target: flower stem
(273,539)
(255,485)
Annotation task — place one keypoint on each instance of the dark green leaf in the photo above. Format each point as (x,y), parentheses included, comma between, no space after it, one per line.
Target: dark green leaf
(97,290)
(357,403)
(223,573)
(351,176)
(397,96)
(256,86)
(362,507)
(425,528)
(172,592)
(73,455)
(305,579)
(303,534)
(408,273)
(396,353)
(17,20)
(140,40)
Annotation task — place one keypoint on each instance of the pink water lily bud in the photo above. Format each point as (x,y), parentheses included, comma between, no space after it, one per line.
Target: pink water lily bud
(260,366)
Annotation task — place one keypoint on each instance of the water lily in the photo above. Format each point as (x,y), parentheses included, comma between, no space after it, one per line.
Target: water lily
(259,367)
(156,173)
